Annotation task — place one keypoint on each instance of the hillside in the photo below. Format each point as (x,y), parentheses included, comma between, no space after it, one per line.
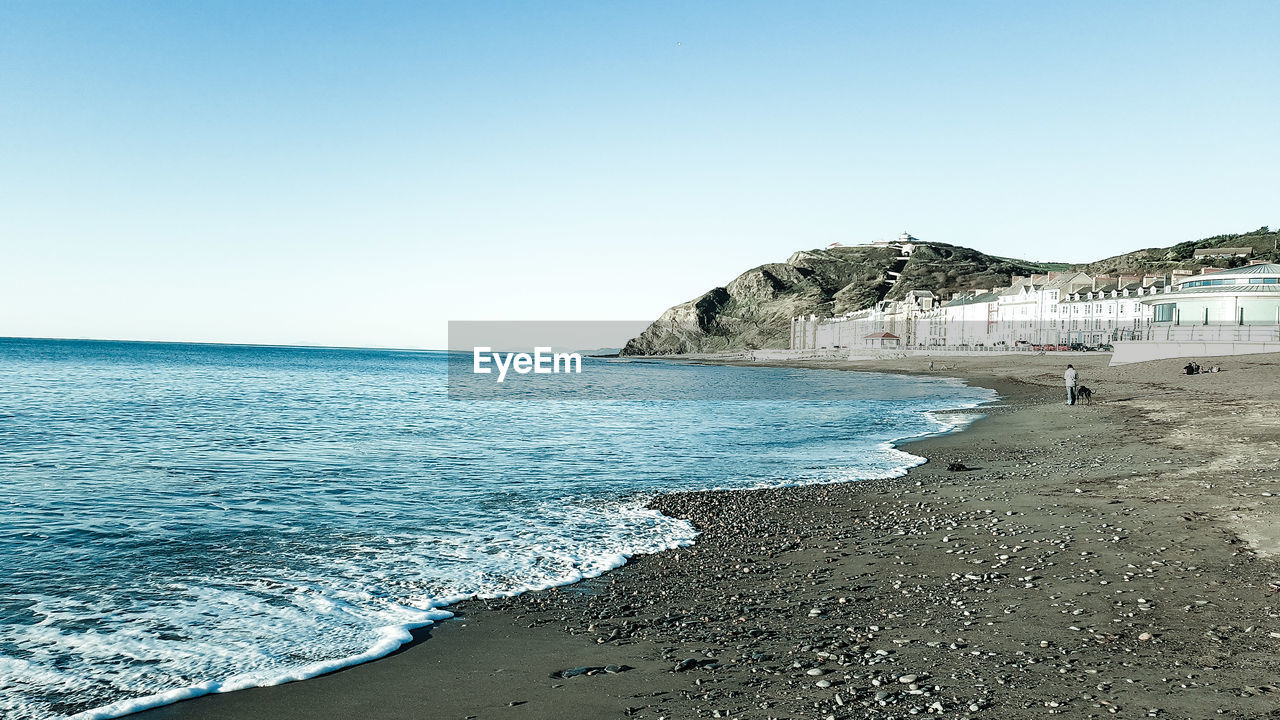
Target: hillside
(1181,256)
(755,309)
(944,269)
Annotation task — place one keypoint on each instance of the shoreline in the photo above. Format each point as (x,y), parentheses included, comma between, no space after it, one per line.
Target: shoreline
(495,658)
(419,633)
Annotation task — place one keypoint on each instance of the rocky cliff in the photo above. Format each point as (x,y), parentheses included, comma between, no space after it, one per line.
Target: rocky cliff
(755,309)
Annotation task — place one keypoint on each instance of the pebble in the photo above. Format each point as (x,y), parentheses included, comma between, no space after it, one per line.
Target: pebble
(880,567)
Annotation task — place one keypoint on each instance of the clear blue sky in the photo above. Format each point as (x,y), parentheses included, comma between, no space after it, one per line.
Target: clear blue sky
(359,173)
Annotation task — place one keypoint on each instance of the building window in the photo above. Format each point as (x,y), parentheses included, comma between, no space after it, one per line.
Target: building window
(1164,312)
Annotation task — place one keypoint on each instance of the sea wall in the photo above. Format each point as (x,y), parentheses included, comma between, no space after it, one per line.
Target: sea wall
(1142,351)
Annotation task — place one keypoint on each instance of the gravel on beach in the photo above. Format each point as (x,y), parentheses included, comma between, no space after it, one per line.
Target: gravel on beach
(1099,560)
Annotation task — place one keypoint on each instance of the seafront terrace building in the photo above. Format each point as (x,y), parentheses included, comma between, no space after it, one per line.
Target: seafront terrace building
(1216,312)
(1057,308)
(1110,311)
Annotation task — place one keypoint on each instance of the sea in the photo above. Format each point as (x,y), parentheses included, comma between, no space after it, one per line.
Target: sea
(181,519)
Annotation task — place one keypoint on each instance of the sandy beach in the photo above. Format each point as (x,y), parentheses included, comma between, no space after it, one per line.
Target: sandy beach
(1103,559)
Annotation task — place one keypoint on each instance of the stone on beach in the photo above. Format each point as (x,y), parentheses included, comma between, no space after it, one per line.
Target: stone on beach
(979,593)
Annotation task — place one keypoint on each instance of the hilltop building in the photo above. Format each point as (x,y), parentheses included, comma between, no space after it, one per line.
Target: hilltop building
(1207,253)
(905,243)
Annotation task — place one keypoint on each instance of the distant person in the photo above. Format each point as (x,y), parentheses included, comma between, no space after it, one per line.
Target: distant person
(1189,368)
(931,365)
(1071,378)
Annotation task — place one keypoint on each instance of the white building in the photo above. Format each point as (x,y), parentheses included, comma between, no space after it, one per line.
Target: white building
(1111,310)
(1029,309)
(1218,303)
(1051,309)
(967,320)
(896,317)
(1218,312)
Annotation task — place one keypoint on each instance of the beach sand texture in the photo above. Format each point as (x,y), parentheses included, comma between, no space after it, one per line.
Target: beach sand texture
(1096,560)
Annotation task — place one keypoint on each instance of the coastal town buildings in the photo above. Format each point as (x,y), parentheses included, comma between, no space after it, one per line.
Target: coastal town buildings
(1061,310)
(1238,304)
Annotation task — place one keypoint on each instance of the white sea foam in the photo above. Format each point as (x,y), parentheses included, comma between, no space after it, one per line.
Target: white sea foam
(297,621)
(388,640)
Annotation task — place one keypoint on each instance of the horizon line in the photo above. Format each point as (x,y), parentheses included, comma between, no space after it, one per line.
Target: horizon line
(234,344)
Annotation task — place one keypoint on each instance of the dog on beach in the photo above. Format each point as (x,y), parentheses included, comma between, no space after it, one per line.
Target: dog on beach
(1084,394)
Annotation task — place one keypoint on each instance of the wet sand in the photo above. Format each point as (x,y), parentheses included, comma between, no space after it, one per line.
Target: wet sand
(1096,560)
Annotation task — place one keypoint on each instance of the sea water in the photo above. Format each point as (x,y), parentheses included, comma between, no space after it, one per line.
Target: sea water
(182,519)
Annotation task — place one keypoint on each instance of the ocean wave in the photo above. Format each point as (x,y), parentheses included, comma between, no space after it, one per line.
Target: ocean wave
(153,552)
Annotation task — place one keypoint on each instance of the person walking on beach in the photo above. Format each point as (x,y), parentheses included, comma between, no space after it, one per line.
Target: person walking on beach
(1072,378)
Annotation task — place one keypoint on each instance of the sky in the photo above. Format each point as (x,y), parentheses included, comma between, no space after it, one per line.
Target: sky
(358,174)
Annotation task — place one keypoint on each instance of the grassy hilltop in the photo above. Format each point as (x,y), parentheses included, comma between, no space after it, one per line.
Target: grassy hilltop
(1181,256)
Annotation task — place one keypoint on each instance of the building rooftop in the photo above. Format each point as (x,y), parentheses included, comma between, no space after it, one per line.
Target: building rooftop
(1214,252)
(1233,289)
(1259,269)
(971,299)
(1241,272)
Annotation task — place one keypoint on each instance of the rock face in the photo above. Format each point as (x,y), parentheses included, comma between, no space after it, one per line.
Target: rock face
(755,310)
